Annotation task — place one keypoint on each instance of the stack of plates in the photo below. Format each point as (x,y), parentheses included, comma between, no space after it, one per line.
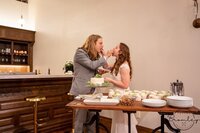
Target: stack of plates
(153,102)
(180,101)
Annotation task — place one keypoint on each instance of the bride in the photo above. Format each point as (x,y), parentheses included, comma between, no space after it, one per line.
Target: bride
(122,74)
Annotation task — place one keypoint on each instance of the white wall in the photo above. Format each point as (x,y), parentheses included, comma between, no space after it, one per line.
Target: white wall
(10,13)
(164,45)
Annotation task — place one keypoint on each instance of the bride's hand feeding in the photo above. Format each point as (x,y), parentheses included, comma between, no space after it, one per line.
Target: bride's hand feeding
(107,79)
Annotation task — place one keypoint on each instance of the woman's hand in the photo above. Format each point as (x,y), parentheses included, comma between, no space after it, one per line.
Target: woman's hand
(102,53)
(109,53)
(101,71)
(108,79)
(106,54)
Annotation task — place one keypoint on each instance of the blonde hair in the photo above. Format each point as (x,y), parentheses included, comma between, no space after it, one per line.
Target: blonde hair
(89,46)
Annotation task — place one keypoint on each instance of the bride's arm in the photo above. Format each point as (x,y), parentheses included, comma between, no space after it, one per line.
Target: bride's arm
(125,79)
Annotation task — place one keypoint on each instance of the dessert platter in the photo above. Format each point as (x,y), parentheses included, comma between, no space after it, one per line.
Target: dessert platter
(101,101)
(152,98)
(127,100)
(155,99)
(141,94)
(97,99)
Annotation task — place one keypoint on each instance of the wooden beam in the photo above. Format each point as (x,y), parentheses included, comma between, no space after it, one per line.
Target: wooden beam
(25,1)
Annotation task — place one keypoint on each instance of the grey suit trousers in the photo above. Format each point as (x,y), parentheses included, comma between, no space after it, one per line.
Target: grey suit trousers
(83,117)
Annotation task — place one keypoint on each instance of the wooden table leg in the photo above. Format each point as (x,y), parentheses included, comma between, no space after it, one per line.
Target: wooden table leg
(164,122)
(97,122)
(129,119)
(94,118)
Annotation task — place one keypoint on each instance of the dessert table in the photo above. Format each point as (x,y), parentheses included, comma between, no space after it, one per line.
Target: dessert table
(166,110)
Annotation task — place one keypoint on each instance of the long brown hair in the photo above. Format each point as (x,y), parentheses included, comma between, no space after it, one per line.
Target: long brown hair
(89,46)
(124,55)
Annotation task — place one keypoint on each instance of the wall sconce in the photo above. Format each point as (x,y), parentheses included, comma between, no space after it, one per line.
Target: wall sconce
(21,20)
(196,22)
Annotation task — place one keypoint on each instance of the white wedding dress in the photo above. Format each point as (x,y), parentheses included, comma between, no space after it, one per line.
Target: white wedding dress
(119,118)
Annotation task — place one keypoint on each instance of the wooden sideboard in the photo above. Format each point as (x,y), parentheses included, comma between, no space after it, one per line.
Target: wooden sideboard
(16,114)
(16,47)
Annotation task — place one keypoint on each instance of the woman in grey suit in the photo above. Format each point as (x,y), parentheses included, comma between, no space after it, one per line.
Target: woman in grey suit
(86,61)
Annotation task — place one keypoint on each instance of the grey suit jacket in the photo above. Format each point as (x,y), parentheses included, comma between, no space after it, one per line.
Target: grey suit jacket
(84,69)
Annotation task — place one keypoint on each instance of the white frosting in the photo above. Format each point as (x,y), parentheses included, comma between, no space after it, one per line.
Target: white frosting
(97,80)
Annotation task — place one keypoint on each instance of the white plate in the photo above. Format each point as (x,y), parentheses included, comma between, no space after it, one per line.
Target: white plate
(153,102)
(89,96)
(180,101)
(102,101)
(179,98)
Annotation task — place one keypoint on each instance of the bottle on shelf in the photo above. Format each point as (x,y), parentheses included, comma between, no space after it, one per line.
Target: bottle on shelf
(6,60)
(36,72)
(7,50)
(2,59)
(49,71)
(23,60)
(2,51)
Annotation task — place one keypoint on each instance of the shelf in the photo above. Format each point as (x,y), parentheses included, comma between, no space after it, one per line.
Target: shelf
(5,63)
(21,64)
(16,46)
(5,54)
(20,54)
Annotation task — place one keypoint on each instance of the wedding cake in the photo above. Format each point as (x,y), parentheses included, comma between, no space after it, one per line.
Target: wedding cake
(97,80)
